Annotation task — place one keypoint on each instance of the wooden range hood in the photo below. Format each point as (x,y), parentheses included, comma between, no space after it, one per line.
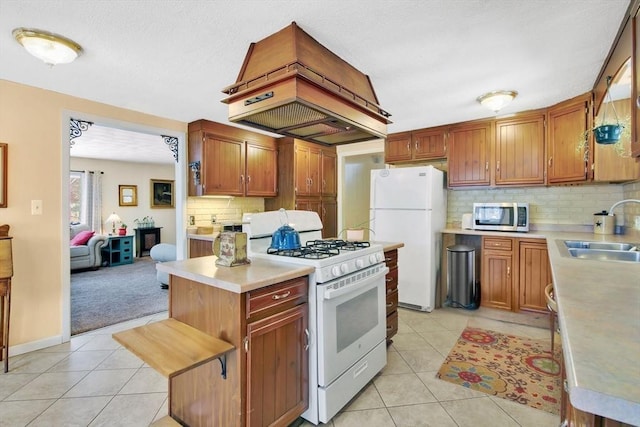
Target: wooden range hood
(291,85)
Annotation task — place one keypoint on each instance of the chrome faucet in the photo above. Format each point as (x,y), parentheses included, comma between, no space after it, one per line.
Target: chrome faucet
(615,205)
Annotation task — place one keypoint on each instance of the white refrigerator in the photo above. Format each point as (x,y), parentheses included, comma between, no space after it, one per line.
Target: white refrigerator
(409,205)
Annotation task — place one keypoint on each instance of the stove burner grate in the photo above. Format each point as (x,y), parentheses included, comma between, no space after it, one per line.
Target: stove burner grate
(338,244)
(319,249)
(305,252)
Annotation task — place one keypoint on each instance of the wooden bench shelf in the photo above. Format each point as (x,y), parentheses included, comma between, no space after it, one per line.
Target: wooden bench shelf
(172,347)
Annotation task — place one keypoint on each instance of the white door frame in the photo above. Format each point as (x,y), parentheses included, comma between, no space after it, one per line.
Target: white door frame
(180,197)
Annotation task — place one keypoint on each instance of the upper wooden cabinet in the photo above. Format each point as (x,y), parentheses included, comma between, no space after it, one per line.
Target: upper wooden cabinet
(615,102)
(635,140)
(307,181)
(329,173)
(470,153)
(567,158)
(423,144)
(224,160)
(519,151)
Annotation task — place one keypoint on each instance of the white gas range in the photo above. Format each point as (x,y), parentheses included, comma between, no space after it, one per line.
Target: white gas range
(347,312)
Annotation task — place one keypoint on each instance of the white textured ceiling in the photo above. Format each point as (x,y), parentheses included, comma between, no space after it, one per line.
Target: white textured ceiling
(428,60)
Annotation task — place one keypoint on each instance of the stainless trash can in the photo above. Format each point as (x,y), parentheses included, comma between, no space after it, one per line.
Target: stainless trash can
(462,290)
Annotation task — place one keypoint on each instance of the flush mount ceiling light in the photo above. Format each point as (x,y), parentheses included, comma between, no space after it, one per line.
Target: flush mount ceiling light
(49,47)
(498,99)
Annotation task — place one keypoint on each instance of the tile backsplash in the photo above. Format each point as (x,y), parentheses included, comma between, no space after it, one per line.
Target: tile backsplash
(225,209)
(558,205)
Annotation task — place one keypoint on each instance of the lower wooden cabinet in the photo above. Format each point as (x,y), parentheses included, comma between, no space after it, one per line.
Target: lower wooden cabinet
(198,248)
(535,275)
(391,259)
(266,380)
(277,368)
(497,272)
(514,273)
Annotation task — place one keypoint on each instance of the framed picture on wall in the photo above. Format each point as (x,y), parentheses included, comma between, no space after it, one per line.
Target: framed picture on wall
(161,193)
(128,195)
(3,175)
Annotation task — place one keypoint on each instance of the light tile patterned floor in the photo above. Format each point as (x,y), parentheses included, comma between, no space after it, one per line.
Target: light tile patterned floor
(93,381)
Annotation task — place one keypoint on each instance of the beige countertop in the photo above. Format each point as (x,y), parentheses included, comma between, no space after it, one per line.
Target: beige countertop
(599,316)
(210,237)
(388,246)
(238,279)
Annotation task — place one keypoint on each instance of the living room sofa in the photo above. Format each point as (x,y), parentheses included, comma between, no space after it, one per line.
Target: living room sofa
(88,254)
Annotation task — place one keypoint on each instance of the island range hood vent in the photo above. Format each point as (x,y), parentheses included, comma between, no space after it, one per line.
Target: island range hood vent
(291,85)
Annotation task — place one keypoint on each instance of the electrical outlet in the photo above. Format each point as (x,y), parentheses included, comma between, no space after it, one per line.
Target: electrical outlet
(192,220)
(213,218)
(36,207)
(637,222)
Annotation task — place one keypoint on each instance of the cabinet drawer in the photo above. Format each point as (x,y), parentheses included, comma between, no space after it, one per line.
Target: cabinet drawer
(391,258)
(392,325)
(392,302)
(276,297)
(391,280)
(503,244)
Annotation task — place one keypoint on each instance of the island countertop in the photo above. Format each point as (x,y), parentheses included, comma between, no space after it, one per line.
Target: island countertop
(239,279)
(599,316)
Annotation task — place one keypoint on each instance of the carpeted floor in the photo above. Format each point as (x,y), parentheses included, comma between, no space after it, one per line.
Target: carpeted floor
(112,295)
(514,368)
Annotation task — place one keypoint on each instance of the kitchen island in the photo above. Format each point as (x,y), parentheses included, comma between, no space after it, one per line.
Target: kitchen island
(257,315)
(599,317)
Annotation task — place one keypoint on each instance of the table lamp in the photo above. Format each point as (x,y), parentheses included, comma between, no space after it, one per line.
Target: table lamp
(113,218)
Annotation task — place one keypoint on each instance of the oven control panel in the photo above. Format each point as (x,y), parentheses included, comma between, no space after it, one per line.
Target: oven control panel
(348,266)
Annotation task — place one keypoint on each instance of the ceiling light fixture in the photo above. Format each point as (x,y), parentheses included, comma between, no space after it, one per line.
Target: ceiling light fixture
(498,99)
(51,48)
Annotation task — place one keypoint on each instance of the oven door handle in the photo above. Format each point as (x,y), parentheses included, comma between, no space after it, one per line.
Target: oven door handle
(336,293)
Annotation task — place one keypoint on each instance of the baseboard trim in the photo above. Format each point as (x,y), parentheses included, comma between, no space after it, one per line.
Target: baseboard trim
(35,345)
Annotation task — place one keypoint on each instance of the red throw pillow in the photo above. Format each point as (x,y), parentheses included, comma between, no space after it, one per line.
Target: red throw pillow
(82,238)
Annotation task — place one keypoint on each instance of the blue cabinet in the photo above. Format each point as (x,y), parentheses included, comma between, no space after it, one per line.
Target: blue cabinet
(118,251)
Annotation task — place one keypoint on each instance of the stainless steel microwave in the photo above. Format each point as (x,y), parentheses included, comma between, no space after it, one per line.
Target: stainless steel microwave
(501,216)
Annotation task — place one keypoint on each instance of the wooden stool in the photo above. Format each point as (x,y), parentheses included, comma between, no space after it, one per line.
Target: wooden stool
(6,272)
(553,310)
(5,308)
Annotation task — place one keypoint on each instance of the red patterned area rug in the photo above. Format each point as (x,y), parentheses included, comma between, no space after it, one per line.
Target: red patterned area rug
(514,368)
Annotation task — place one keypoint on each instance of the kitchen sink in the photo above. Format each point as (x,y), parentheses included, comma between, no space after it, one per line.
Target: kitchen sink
(612,246)
(600,251)
(605,255)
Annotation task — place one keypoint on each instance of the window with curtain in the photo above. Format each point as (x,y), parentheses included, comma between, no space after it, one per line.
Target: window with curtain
(85,198)
(76,180)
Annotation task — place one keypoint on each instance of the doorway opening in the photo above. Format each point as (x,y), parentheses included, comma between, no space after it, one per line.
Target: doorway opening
(128,156)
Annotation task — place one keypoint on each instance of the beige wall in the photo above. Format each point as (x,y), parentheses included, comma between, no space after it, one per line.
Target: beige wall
(31,123)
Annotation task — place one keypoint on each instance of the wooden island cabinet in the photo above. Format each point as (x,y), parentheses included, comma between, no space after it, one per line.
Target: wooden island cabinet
(391,279)
(242,335)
